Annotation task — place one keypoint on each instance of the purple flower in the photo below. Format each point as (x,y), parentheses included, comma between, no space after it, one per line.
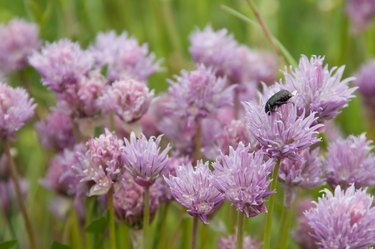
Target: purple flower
(350,161)
(143,159)
(242,177)
(73,164)
(194,189)
(230,242)
(306,172)
(170,169)
(345,219)
(56,131)
(303,233)
(52,179)
(213,49)
(366,85)
(104,162)
(61,64)
(238,63)
(361,12)
(18,40)
(198,93)
(16,108)
(318,89)
(283,133)
(8,195)
(128,99)
(129,204)
(234,133)
(124,56)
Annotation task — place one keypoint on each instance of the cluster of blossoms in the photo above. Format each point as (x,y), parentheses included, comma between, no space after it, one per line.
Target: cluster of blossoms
(106,87)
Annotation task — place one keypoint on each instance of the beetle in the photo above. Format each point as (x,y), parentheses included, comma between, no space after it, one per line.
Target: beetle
(276,100)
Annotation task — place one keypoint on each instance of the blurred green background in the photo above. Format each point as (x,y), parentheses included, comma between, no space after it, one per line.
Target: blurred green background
(308,27)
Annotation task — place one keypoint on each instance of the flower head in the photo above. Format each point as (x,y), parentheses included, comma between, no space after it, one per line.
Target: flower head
(213,49)
(143,158)
(198,93)
(124,56)
(231,241)
(194,189)
(18,40)
(74,163)
(56,131)
(350,161)
(303,233)
(128,99)
(104,162)
(318,89)
(306,172)
(61,64)
(234,133)
(129,204)
(238,63)
(365,80)
(16,108)
(243,179)
(283,133)
(360,12)
(52,179)
(345,219)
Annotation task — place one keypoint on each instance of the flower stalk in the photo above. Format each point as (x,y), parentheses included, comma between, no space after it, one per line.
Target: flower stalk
(146,219)
(268,230)
(16,182)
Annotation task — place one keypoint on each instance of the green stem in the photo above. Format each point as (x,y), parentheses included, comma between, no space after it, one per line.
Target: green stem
(160,227)
(76,230)
(112,225)
(89,212)
(124,236)
(285,225)
(268,231)
(146,219)
(194,233)
(240,230)
(20,199)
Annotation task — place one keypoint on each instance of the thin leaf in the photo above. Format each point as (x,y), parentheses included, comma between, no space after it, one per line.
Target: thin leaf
(8,244)
(98,225)
(241,16)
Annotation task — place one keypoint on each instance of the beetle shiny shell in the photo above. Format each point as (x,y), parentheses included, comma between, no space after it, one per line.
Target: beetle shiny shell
(276,100)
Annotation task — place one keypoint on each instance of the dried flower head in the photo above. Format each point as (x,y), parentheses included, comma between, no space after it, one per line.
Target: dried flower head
(350,161)
(318,89)
(18,40)
(105,164)
(242,177)
(61,64)
(16,108)
(143,158)
(128,99)
(194,189)
(56,131)
(283,133)
(345,219)
(124,56)
(198,93)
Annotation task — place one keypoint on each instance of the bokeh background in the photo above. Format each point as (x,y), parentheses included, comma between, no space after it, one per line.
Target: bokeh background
(310,27)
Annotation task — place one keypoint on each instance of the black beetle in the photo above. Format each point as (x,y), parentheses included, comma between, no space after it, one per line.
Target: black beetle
(276,100)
